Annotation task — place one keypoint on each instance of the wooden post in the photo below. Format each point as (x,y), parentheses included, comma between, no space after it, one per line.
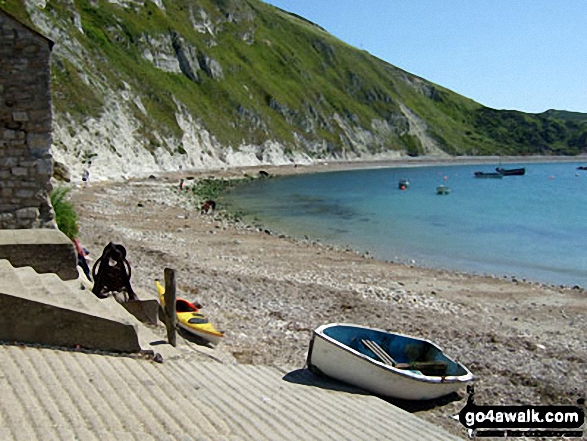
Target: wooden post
(170,313)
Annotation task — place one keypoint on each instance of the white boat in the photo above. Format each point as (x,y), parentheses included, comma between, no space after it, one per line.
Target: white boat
(385,363)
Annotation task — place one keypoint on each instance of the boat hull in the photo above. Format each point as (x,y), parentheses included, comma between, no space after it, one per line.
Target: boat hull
(341,362)
(202,328)
(511,171)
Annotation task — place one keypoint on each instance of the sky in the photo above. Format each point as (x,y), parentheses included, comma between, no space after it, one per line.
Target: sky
(527,55)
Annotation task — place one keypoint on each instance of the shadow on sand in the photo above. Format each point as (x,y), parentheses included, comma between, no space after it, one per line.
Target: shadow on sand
(307,378)
(194,338)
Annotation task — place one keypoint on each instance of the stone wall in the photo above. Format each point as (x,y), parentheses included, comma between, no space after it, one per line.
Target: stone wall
(25,127)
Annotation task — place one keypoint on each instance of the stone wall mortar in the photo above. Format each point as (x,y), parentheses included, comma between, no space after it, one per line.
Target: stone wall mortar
(25,127)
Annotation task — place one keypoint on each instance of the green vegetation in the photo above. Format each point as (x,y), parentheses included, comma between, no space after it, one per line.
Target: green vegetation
(277,77)
(17,9)
(211,188)
(215,189)
(565,116)
(65,215)
(64,78)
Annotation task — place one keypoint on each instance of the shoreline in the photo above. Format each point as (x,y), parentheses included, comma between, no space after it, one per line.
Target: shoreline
(276,171)
(233,171)
(524,342)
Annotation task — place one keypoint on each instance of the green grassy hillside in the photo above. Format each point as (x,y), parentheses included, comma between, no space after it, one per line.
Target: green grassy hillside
(249,72)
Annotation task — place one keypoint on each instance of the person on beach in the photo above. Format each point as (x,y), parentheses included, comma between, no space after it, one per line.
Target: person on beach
(86,177)
(86,174)
(81,258)
(181,185)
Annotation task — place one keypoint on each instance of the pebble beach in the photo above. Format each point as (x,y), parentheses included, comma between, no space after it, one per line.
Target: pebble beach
(525,342)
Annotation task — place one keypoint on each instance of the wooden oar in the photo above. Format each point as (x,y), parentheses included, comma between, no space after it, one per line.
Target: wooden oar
(380,352)
(425,366)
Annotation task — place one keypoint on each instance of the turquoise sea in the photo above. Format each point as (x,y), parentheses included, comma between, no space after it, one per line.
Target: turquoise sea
(532,226)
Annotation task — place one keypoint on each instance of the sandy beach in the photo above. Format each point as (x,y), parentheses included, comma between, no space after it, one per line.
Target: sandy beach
(525,342)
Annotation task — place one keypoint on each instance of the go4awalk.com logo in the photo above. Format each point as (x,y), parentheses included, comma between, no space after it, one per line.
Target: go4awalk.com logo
(522,421)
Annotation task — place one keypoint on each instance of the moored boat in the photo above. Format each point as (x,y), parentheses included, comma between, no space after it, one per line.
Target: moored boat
(511,171)
(442,190)
(385,363)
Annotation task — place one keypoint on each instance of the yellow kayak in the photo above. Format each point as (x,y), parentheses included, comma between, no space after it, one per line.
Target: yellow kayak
(191,319)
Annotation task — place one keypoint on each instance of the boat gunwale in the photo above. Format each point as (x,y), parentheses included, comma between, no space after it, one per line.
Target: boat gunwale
(429,379)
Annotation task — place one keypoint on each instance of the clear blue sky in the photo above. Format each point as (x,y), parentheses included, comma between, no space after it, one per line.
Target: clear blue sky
(528,55)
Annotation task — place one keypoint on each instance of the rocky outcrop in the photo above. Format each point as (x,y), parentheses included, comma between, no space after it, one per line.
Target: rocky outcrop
(186,55)
(418,129)
(210,66)
(159,50)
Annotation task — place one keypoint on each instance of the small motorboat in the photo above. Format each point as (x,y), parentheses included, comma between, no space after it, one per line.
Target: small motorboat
(442,190)
(488,175)
(385,363)
(511,171)
(403,184)
(190,319)
(582,167)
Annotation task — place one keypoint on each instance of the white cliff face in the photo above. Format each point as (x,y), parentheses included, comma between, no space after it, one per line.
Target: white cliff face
(269,153)
(117,151)
(109,142)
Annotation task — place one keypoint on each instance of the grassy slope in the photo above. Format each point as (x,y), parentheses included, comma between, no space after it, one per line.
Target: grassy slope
(293,77)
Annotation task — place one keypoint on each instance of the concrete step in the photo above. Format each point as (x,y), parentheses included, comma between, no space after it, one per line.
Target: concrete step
(43,309)
(45,249)
(49,288)
(11,283)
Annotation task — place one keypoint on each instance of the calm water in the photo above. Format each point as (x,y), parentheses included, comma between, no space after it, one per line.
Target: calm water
(532,226)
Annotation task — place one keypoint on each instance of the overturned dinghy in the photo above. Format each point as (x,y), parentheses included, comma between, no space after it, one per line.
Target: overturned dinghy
(385,363)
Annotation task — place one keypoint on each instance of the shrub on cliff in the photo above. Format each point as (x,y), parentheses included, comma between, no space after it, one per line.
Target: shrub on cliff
(65,215)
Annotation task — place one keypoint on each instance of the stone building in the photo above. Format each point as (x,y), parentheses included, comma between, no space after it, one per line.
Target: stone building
(25,127)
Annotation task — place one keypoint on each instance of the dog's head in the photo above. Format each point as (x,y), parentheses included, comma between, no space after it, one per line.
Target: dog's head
(115,252)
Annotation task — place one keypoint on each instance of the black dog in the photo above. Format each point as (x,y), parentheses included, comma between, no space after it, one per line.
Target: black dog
(113,272)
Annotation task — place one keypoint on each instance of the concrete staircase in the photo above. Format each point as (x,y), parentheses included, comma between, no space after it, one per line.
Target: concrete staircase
(44,249)
(43,309)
